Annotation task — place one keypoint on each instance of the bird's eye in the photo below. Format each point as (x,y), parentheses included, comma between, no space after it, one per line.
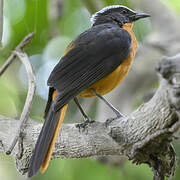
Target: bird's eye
(124,11)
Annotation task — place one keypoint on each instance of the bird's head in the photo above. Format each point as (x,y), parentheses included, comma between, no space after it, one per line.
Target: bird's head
(116,14)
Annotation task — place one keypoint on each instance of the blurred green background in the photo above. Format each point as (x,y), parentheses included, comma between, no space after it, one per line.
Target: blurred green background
(56,23)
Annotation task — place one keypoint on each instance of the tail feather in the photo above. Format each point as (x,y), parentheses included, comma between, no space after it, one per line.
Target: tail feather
(50,149)
(46,140)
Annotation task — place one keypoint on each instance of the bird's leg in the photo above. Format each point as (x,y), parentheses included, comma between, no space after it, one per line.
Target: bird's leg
(118,113)
(87,120)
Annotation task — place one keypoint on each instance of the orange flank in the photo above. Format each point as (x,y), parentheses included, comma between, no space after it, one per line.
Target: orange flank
(103,86)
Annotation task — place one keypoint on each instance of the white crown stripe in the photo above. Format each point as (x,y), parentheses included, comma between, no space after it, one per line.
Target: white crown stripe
(93,17)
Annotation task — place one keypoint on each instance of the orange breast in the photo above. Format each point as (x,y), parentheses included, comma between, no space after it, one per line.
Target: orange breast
(109,82)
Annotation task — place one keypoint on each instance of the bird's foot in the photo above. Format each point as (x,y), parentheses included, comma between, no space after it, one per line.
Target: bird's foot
(110,120)
(84,124)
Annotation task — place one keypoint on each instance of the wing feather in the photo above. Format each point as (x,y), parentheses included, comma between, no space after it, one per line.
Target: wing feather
(97,53)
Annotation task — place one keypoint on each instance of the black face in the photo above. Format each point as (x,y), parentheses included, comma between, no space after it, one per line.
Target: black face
(117,15)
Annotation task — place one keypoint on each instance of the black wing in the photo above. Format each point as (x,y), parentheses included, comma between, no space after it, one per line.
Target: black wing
(97,53)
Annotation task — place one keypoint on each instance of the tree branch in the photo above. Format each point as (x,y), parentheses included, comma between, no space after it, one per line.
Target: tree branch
(144,136)
(27,39)
(28,104)
(31,87)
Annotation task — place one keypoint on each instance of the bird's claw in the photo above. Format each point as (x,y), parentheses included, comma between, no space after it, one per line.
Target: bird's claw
(110,120)
(84,124)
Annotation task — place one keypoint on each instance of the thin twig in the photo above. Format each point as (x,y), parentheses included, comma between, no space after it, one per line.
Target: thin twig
(20,146)
(1,21)
(28,104)
(7,63)
(31,90)
(20,46)
(25,41)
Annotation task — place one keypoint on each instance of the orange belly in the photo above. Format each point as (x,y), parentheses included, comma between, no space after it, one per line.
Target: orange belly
(109,82)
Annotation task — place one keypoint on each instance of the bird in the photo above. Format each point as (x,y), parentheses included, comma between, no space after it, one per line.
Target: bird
(93,65)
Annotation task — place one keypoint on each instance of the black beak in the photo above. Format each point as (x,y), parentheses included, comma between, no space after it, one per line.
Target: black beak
(137,16)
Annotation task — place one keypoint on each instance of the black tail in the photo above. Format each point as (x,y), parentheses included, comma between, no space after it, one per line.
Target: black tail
(44,141)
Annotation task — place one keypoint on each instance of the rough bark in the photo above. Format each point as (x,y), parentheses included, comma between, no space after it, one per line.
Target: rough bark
(144,136)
